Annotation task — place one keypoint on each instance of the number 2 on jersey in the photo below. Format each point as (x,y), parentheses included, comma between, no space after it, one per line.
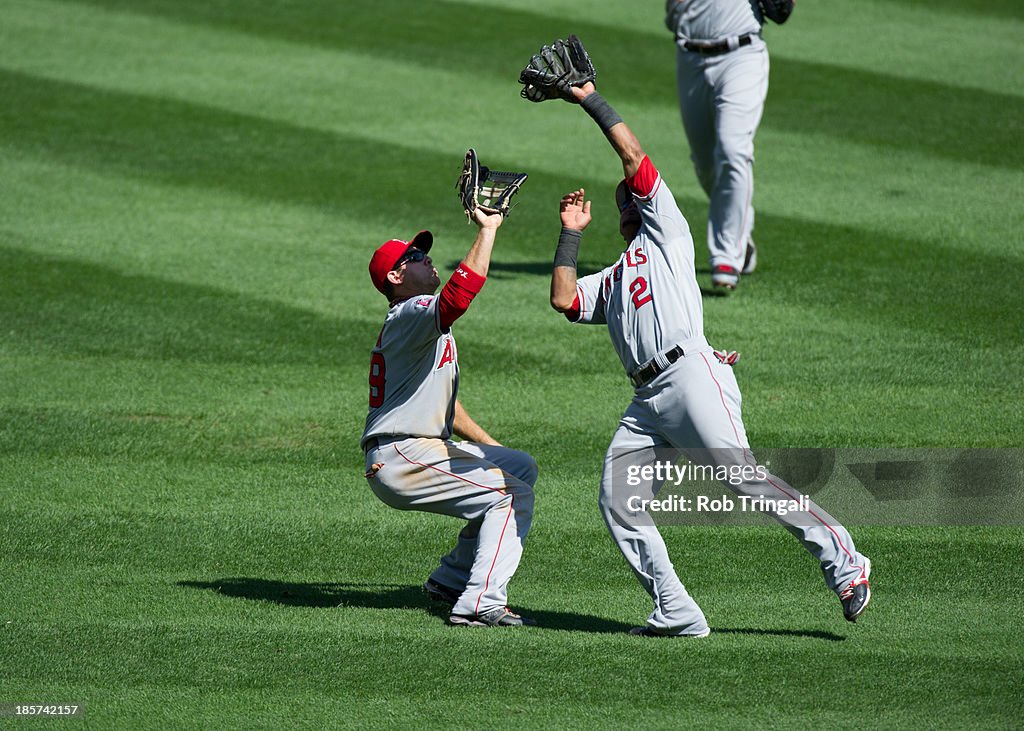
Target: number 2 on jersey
(376,380)
(638,288)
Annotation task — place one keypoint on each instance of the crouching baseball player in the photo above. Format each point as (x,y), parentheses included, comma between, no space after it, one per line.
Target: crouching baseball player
(686,396)
(411,464)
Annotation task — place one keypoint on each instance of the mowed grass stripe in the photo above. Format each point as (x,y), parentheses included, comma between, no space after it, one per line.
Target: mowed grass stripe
(298,99)
(903,38)
(986,13)
(809,176)
(328,90)
(896,187)
(189,144)
(64,306)
(185,237)
(662,702)
(871,108)
(996,9)
(879,109)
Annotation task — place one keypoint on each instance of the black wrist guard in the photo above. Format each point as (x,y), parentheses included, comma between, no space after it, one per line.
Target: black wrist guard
(601,111)
(568,247)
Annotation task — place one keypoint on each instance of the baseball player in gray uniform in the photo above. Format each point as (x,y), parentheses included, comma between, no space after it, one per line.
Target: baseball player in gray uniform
(411,461)
(722,72)
(686,396)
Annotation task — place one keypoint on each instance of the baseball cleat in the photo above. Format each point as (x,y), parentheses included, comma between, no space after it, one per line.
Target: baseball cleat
(441,593)
(724,278)
(499,617)
(750,260)
(856,596)
(648,632)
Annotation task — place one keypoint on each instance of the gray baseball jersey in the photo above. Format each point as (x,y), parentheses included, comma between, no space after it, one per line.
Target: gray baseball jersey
(649,298)
(414,374)
(712,20)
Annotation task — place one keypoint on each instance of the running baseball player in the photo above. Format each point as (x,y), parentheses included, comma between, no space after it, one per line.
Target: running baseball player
(686,396)
(722,74)
(411,462)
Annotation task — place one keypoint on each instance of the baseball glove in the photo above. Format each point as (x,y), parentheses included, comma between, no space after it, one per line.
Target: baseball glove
(777,11)
(557,67)
(489,190)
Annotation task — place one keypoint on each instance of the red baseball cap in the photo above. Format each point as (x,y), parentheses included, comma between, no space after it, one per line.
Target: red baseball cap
(388,254)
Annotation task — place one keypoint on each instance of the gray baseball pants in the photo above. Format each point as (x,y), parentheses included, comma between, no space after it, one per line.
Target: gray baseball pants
(491,487)
(694,406)
(721,99)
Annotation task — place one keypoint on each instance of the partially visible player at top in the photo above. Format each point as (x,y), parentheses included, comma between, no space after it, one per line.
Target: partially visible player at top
(411,461)
(686,396)
(722,75)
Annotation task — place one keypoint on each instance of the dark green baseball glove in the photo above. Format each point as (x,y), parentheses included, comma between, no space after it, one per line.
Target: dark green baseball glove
(557,67)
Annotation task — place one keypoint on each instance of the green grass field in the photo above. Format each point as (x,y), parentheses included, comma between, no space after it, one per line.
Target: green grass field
(189,194)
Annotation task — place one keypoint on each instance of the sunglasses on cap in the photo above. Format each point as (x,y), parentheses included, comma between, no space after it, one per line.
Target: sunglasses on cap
(413,255)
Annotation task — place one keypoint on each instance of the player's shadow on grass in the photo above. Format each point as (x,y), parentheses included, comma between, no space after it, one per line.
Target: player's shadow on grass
(379,596)
(340,594)
(814,634)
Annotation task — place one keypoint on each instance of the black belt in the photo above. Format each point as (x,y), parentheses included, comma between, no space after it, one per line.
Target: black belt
(717,49)
(652,370)
(370,444)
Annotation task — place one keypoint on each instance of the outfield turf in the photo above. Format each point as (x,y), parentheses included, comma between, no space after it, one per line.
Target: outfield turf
(189,194)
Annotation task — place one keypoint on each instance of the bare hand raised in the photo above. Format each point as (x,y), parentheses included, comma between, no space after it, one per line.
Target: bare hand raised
(574,210)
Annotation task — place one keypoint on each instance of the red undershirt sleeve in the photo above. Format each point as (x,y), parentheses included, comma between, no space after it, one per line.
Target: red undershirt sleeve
(456,295)
(645,180)
(573,313)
